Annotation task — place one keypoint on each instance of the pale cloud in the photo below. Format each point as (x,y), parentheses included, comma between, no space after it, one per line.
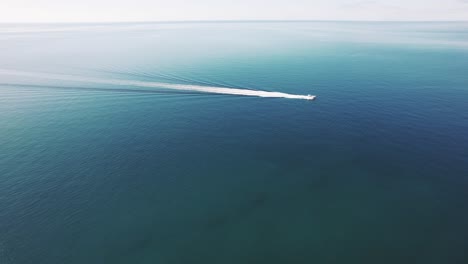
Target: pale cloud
(170,10)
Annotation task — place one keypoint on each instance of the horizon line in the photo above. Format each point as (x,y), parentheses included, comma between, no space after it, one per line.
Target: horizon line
(232,21)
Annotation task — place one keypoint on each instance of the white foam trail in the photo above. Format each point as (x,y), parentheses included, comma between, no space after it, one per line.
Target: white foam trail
(183,87)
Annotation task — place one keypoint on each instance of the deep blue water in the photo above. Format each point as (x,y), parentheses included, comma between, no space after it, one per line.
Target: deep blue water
(373,171)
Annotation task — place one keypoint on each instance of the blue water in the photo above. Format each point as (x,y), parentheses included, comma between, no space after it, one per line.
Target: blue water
(375,170)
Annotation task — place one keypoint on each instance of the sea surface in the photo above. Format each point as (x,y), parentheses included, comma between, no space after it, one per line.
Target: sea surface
(97,168)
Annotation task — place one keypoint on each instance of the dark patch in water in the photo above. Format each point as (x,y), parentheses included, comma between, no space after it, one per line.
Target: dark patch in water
(142,243)
(259,200)
(244,211)
(136,247)
(217,222)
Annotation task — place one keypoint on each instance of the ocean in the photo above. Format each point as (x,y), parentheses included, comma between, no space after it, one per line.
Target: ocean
(125,142)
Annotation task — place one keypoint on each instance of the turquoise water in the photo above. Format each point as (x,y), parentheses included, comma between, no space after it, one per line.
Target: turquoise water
(375,170)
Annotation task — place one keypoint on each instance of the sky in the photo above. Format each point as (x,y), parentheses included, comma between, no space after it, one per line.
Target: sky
(183,10)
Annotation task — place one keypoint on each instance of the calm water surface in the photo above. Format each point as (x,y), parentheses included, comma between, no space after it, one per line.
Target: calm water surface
(374,171)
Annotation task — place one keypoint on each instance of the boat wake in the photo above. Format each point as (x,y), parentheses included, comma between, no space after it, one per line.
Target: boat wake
(148,84)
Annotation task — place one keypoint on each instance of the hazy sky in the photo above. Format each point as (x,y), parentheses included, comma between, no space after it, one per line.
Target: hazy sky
(163,10)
